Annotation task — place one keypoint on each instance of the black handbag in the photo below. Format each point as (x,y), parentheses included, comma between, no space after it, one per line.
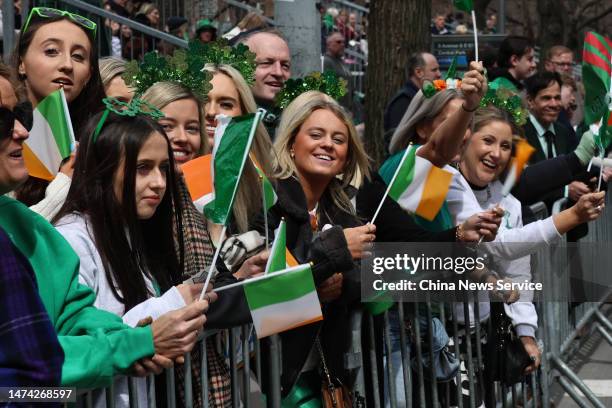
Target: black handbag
(507,358)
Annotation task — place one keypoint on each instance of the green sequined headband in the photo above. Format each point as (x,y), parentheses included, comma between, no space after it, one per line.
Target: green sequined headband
(327,82)
(181,67)
(135,107)
(507,100)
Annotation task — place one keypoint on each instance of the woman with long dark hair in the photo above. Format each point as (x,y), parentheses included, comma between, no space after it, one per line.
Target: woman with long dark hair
(119,217)
(58,49)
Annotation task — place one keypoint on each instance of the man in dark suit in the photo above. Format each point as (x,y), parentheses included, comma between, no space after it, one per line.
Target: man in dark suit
(545,133)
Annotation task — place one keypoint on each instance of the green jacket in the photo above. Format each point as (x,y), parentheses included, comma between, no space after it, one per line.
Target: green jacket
(97,344)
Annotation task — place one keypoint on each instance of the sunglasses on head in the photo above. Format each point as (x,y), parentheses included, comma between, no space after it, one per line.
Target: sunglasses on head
(47,12)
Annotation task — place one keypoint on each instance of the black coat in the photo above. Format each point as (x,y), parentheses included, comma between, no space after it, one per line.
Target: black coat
(398,105)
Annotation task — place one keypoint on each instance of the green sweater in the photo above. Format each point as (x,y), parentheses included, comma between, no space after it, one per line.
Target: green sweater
(97,344)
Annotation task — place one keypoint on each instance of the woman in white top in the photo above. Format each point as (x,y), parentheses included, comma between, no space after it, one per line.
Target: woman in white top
(485,155)
(119,217)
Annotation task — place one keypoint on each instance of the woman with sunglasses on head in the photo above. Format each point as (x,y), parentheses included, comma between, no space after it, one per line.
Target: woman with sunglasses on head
(57,49)
(125,173)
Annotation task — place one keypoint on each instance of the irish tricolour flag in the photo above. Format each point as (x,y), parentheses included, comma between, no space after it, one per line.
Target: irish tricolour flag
(198,178)
(283,300)
(418,186)
(51,138)
(233,138)
(280,258)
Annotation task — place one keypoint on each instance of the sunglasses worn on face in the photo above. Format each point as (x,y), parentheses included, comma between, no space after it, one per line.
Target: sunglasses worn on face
(7,123)
(46,12)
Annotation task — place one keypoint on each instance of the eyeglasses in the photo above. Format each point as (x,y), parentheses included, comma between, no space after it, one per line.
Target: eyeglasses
(572,107)
(46,12)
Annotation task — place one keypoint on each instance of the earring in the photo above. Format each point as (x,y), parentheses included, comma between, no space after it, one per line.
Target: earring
(292,153)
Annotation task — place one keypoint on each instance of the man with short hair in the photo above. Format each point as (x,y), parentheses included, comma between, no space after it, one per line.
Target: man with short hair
(335,44)
(544,132)
(421,66)
(516,63)
(559,59)
(273,69)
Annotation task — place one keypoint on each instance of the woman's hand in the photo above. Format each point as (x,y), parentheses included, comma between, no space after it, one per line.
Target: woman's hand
(359,239)
(331,288)
(589,206)
(531,347)
(253,266)
(473,86)
(190,292)
(484,224)
(176,332)
(68,167)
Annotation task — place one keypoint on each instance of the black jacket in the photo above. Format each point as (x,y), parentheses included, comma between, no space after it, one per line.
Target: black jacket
(399,104)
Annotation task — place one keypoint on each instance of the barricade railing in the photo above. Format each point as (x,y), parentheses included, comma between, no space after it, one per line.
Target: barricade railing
(389,364)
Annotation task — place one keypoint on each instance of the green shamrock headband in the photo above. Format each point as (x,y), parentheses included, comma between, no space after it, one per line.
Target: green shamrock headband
(327,82)
(180,67)
(505,99)
(132,109)
(219,52)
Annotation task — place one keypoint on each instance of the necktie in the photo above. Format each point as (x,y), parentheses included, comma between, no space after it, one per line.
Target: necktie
(550,141)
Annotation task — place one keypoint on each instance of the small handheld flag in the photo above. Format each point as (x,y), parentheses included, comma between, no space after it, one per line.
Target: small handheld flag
(418,186)
(281,300)
(233,138)
(51,138)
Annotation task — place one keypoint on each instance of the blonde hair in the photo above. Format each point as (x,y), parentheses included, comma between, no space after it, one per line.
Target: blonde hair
(161,94)
(357,163)
(110,67)
(248,203)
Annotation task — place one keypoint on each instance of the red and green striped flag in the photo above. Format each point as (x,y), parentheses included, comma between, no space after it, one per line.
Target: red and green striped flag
(464,5)
(233,138)
(596,73)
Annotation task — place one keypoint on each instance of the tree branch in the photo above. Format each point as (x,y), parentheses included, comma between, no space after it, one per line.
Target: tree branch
(595,18)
